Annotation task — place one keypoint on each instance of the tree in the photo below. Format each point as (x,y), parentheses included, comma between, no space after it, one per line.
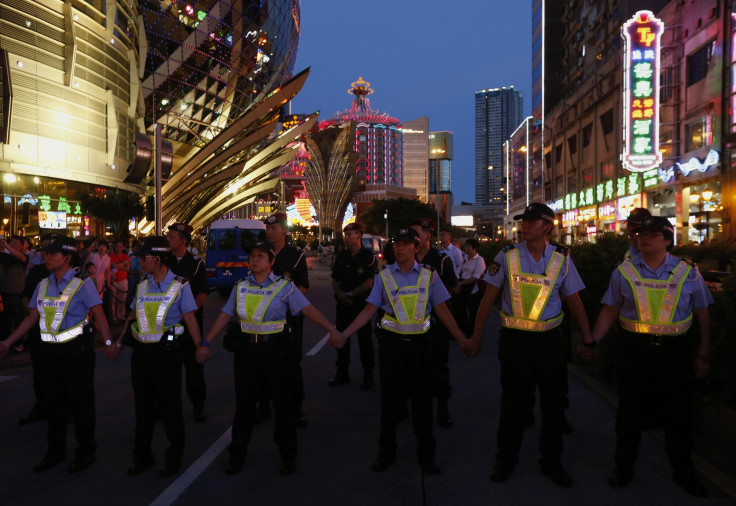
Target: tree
(400,213)
(115,207)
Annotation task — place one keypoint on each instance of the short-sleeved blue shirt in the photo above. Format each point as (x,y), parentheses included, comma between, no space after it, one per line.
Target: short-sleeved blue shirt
(78,306)
(694,294)
(184,302)
(568,281)
(437,291)
(287,299)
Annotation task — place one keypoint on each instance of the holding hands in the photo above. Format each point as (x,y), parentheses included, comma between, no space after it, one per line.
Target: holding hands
(337,338)
(203,354)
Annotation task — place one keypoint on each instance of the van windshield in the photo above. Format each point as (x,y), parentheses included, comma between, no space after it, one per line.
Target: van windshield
(248,238)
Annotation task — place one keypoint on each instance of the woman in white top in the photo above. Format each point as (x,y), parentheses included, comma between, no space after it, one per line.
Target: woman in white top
(471,271)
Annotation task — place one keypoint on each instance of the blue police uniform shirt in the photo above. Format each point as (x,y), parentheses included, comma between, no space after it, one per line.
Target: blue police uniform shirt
(184,302)
(632,252)
(287,299)
(568,281)
(437,291)
(694,294)
(78,306)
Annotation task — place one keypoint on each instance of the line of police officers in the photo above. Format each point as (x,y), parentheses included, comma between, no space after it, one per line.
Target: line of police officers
(652,294)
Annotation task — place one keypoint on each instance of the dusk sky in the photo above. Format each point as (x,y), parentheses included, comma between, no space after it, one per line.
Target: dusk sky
(423,58)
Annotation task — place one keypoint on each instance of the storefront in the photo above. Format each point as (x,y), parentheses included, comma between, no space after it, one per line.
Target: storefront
(705,217)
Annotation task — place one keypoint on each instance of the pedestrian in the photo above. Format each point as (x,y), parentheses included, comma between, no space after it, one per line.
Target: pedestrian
(290,263)
(119,265)
(456,243)
(134,273)
(406,293)
(264,353)
(102,279)
(163,302)
(182,263)
(452,251)
(534,277)
(468,299)
(352,280)
(443,265)
(59,305)
(13,265)
(654,297)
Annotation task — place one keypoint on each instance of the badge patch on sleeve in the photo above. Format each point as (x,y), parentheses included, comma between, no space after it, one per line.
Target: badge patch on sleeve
(493,268)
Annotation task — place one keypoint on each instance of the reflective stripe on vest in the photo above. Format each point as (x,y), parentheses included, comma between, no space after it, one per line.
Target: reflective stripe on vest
(52,311)
(405,300)
(154,306)
(530,293)
(656,301)
(251,304)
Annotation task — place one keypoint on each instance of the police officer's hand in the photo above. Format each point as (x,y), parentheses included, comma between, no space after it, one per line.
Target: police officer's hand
(3,349)
(586,353)
(112,351)
(345,300)
(336,339)
(472,347)
(701,367)
(203,354)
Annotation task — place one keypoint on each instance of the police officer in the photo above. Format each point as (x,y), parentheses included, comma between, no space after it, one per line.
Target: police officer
(406,293)
(654,297)
(636,219)
(444,267)
(264,352)
(290,263)
(182,263)
(162,302)
(60,304)
(352,280)
(534,275)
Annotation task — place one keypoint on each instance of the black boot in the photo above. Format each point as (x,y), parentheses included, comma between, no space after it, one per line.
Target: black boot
(341,378)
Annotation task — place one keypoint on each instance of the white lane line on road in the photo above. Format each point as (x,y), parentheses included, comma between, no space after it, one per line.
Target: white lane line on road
(7,378)
(172,493)
(315,349)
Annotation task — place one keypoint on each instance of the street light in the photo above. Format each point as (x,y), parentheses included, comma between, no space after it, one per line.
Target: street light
(385,217)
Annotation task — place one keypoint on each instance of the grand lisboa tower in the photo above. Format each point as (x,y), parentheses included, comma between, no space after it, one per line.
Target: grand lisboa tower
(85,83)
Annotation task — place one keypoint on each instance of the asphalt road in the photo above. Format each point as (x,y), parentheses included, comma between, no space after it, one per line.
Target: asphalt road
(335,450)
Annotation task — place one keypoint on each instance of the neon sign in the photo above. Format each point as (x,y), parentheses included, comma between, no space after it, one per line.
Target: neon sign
(694,164)
(642,34)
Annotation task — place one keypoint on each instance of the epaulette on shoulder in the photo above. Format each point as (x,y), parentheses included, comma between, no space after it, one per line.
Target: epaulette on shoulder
(428,267)
(508,247)
(182,279)
(687,261)
(81,275)
(562,250)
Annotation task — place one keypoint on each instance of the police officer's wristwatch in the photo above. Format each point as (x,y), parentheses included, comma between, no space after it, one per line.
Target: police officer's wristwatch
(108,343)
(349,294)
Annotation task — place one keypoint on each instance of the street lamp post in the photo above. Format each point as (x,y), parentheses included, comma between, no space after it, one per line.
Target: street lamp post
(385,217)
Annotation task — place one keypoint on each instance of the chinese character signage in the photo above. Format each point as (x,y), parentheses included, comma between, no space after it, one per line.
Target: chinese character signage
(642,35)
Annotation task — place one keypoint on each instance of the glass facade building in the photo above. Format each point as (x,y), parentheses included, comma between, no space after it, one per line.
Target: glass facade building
(416,159)
(441,153)
(498,112)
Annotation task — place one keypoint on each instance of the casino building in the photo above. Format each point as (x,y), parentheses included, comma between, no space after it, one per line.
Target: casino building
(84,83)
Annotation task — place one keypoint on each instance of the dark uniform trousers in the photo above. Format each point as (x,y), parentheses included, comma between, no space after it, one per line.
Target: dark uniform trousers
(405,365)
(67,381)
(654,385)
(296,324)
(268,364)
(34,344)
(156,373)
(440,337)
(344,316)
(196,387)
(530,359)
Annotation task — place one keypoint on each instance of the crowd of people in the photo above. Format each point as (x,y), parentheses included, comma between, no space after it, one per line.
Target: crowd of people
(420,299)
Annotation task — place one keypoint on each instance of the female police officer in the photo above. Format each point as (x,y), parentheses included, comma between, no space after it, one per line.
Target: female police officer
(655,295)
(264,353)
(60,304)
(406,293)
(162,302)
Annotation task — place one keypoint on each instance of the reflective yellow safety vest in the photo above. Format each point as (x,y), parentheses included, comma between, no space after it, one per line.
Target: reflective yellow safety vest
(151,309)
(251,303)
(409,304)
(530,293)
(656,301)
(53,309)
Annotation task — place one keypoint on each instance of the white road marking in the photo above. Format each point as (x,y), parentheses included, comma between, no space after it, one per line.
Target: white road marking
(172,493)
(315,349)
(7,378)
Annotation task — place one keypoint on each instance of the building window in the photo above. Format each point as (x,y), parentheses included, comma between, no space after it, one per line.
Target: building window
(588,178)
(587,134)
(699,62)
(572,143)
(607,122)
(558,153)
(572,185)
(699,133)
(608,171)
(666,145)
